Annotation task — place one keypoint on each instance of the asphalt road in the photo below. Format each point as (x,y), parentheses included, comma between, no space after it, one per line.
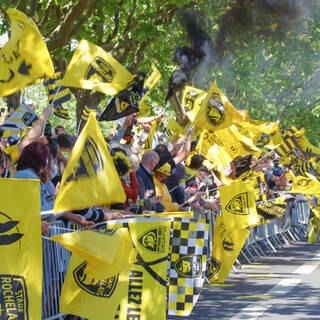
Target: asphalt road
(281,286)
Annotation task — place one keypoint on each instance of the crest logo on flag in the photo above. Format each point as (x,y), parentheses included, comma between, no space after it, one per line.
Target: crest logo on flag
(215,111)
(303,182)
(189,266)
(239,204)
(190,99)
(214,267)
(99,70)
(98,288)
(121,105)
(6,225)
(13,297)
(154,240)
(90,162)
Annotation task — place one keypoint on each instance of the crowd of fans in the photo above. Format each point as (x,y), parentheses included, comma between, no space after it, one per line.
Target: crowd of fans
(171,177)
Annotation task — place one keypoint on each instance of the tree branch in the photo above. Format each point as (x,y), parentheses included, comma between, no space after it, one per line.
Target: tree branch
(116,23)
(33,11)
(22,6)
(82,20)
(45,16)
(129,21)
(60,36)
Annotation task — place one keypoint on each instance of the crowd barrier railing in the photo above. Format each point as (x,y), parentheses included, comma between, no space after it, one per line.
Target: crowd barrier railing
(270,237)
(55,263)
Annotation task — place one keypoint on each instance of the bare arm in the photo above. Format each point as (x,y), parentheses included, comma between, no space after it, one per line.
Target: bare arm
(148,120)
(37,128)
(183,153)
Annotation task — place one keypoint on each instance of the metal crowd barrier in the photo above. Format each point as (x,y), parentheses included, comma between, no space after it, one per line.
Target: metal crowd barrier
(55,263)
(270,237)
(263,240)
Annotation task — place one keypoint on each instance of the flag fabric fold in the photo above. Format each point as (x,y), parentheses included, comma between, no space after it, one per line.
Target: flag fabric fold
(93,68)
(90,177)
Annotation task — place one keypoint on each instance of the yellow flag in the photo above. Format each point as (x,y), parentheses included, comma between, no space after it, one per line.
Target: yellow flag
(89,297)
(216,111)
(20,249)
(148,145)
(307,185)
(107,253)
(153,77)
(227,244)
(191,101)
(222,146)
(93,68)
(145,296)
(90,177)
(313,233)
(265,134)
(25,57)
(238,205)
(144,110)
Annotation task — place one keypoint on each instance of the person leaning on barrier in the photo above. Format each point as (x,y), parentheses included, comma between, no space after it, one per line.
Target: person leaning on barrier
(148,198)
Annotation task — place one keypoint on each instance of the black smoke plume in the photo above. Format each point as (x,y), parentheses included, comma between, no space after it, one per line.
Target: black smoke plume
(257,19)
(189,58)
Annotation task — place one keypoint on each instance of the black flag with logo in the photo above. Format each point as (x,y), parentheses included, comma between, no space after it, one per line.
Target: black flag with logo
(126,102)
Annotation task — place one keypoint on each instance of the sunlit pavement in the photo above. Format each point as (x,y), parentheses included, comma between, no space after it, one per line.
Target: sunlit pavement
(284,285)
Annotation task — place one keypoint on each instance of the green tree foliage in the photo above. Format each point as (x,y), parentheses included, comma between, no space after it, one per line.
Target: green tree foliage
(265,58)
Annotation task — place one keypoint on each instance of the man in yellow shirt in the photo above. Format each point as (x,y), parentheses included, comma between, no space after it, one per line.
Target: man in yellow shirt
(161,189)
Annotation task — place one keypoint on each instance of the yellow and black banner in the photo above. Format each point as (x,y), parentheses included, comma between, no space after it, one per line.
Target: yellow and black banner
(187,264)
(238,205)
(90,177)
(261,187)
(93,68)
(270,209)
(126,102)
(145,296)
(227,244)
(290,147)
(20,250)
(25,57)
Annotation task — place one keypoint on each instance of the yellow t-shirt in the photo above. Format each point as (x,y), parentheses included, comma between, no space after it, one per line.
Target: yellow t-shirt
(162,190)
(13,152)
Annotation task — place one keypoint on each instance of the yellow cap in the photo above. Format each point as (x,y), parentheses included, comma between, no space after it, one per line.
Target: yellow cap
(165,169)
